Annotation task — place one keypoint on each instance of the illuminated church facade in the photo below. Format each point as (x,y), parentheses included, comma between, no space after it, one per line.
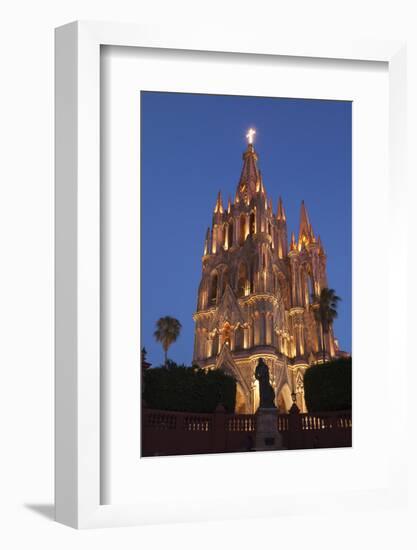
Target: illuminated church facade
(257,293)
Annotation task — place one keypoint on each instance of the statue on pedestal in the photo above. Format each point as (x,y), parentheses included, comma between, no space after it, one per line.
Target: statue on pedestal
(267,436)
(266,391)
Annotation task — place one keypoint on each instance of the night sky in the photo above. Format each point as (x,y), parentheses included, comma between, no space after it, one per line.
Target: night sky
(192,147)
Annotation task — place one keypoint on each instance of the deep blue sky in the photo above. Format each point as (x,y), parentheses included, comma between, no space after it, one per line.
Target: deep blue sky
(192,147)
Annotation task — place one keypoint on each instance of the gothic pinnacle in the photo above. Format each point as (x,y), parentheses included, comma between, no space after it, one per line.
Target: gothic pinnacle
(280,210)
(219,204)
(304,221)
(250,181)
(305,232)
(207,241)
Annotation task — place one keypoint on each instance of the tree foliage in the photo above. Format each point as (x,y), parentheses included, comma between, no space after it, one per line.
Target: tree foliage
(188,389)
(167,331)
(328,386)
(325,312)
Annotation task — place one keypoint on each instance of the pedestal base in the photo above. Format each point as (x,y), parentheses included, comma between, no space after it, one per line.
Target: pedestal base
(267,436)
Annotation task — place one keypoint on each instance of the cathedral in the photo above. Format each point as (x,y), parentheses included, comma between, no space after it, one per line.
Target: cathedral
(257,294)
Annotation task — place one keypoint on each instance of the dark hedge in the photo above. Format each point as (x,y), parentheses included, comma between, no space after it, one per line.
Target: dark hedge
(328,387)
(188,389)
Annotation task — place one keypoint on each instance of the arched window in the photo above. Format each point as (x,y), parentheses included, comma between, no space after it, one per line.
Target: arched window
(242,281)
(306,292)
(307,285)
(213,289)
(242,232)
(252,223)
(230,235)
(202,293)
(239,338)
(310,287)
(269,229)
(215,345)
(224,235)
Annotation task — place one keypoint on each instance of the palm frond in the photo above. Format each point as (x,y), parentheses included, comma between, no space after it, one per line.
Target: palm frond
(167,331)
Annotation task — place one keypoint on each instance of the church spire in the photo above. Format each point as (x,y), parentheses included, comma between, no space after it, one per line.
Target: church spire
(280,211)
(305,233)
(250,178)
(304,221)
(219,204)
(281,234)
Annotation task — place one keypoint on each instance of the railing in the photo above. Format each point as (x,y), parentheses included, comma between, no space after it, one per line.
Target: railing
(326,421)
(240,423)
(166,432)
(164,420)
(197,423)
(282,422)
(160,420)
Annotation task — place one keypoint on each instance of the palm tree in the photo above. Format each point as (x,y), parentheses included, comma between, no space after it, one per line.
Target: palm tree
(167,331)
(325,312)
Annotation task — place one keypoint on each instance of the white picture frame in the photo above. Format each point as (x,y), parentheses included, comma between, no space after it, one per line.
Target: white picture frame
(78,410)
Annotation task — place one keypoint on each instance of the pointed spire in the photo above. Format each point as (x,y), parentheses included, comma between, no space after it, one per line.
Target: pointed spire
(305,233)
(293,243)
(229,205)
(280,211)
(250,178)
(304,221)
(219,204)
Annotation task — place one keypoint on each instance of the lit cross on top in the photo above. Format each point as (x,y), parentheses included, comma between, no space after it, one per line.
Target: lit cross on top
(250,135)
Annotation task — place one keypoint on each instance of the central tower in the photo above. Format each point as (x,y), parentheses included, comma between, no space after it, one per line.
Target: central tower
(256,296)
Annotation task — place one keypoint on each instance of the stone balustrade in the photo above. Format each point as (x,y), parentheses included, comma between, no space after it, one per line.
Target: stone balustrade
(172,433)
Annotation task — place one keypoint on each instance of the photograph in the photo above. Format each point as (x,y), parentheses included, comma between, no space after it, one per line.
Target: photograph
(207,269)
(246,273)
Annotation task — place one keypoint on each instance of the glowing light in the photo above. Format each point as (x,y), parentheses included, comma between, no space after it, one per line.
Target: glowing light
(250,135)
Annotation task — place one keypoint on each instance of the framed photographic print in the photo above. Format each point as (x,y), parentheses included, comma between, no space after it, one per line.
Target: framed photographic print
(221,212)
